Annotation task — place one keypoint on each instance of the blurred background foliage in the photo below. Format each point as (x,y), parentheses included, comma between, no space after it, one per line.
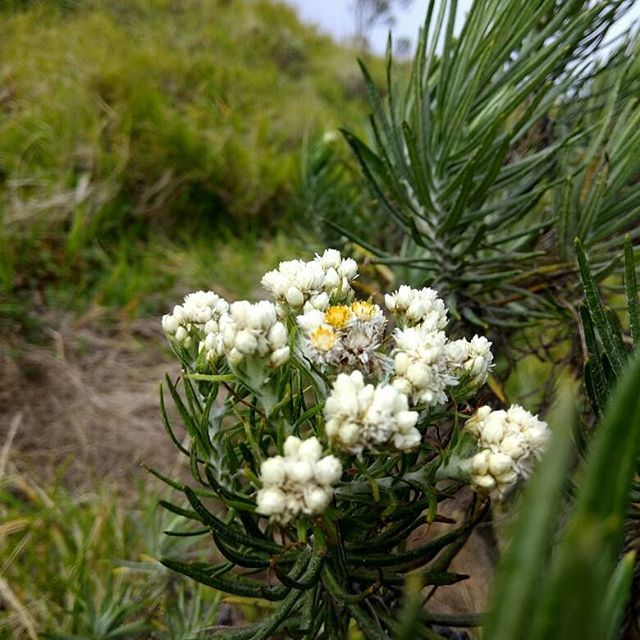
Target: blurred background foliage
(131,130)
(504,143)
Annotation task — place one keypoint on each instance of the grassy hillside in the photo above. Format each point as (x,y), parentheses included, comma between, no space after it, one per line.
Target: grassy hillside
(131,129)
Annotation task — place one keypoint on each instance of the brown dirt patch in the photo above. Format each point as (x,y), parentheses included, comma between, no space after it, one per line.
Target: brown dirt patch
(87,402)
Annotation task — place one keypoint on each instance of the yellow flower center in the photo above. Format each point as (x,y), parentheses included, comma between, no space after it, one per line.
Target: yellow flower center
(337,316)
(323,338)
(364,310)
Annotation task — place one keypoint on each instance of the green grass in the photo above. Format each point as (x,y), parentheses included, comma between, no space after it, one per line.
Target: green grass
(85,565)
(126,125)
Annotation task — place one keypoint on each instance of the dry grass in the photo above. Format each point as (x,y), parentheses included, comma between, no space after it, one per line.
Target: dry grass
(85,407)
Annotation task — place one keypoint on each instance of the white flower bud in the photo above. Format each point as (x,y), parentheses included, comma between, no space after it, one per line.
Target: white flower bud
(181,334)
(349,433)
(240,311)
(229,334)
(211,326)
(480,462)
(416,311)
(499,463)
(406,420)
(271,501)
(170,324)
(317,499)
(404,441)
(512,446)
(418,375)
(279,357)
(246,343)
(294,297)
(402,385)
(330,258)
(310,320)
(492,430)
(331,279)
(328,470)
(331,428)
(348,268)
(277,336)
(404,297)
(273,470)
(300,471)
(310,450)
(319,301)
(487,483)
(291,446)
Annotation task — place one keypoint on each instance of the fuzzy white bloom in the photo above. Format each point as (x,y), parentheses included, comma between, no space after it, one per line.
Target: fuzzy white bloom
(251,331)
(300,482)
(412,307)
(360,416)
(198,316)
(510,442)
(421,366)
(472,358)
(344,336)
(296,283)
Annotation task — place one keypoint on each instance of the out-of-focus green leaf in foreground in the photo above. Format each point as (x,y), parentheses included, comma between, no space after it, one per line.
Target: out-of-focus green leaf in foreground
(574,586)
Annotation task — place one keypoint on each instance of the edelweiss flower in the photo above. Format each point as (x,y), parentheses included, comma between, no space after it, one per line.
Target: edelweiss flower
(510,441)
(412,307)
(421,367)
(344,336)
(339,272)
(300,482)
(296,283)
(198,315)
(360,416)
(472,358)
(253,331)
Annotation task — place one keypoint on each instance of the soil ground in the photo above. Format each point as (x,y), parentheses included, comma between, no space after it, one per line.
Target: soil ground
(84,406)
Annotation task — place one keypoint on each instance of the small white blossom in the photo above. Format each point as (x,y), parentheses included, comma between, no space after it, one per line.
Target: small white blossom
(344,336)
(421,366)
(328,470)
(252,331)
(273,470)
(300,482)
(271,501)
(360,416)
(510,442)
(198,316)
(413,307)
(296,283)
(472,358)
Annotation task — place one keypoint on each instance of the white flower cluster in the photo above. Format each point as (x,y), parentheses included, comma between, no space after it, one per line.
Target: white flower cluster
(250,331)
(472,358)
(198,315)
(426,363)
(238,331)
(421,365)
(360,416)
(344,336)
(412,307)
(509,441)
(319,282)
(300,482)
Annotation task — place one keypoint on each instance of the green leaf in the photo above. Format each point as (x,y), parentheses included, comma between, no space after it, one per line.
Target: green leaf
(611,339)
(519,582)
(631,287)
(616,597)
(587,557)
(236,585)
